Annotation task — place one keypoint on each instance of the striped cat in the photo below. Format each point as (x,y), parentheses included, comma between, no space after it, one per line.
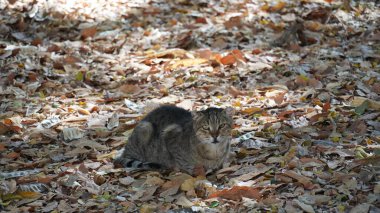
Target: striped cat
(173,138)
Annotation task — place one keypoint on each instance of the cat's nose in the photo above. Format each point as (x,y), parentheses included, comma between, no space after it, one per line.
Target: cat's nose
(215,140)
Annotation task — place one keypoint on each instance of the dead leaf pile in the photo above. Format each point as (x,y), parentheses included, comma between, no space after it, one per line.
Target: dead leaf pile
(303,76)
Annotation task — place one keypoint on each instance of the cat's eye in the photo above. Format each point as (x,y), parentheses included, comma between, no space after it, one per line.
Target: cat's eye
(222,126)
(205,127)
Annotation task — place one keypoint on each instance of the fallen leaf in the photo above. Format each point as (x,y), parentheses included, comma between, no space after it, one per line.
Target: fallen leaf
(238,55)
(228,60)
(237,193)
(183,201)
(12,155)
(2,147)
(29,195)
(252,110)
(88,32)
(306,182)
(362,108)
(129,88)
(358,101)
(188,62)
(307,208)
(171,53)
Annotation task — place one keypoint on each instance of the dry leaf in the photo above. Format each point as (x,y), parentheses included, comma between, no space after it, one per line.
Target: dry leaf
(306,182)
(29,195)
(12,155)
(228,59)
(188,62)
(129,88)
(89,32)
(237,193)
(172,53)
(83,111)
(372,104)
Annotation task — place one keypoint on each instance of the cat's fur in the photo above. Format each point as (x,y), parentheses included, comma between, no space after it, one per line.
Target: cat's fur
(174,138)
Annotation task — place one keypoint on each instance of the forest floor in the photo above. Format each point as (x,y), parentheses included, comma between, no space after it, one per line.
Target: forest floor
(303,77)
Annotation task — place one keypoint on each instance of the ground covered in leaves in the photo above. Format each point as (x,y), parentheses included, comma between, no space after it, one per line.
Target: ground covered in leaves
(303,77)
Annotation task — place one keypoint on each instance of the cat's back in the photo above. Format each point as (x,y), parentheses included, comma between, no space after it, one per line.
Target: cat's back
(166,115)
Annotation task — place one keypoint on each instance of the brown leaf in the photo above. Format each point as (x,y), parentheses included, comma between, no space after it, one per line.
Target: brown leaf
(305,181)
(233,22)
(54,48)
(313,25)
(251,110)
(29,195)
(301,80)
(228,59)
(99,179)
(237,192)
(256,51)
(326,107)
(279,98)
(12,155)
(129,88)
(206,54)
(88,32)
(238,55)
(235,92)
(36,42)
(315,83)
(285,115)
(3,128)
(359,127)
(2,147)
(201,20)
(71,60)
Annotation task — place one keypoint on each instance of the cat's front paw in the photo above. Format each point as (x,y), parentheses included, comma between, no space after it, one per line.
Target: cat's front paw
(171,131)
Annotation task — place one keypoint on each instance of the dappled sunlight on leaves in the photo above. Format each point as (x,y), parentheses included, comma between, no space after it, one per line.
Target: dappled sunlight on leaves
(303,77)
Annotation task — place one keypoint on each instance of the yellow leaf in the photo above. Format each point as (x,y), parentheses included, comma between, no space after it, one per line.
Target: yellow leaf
(107,155)
(28,195)
(264,22)
(79,76)
(83,111)
(188,62)
(188,184)
(335,139)
(252,110)
(277,7)
(172,53)
(237,104)
(10,197)
(41,94)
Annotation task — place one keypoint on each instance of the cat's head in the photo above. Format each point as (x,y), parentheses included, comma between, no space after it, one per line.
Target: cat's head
(213,125)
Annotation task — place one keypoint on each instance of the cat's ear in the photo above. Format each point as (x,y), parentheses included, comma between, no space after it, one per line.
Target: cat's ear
(229,111)
(196,114)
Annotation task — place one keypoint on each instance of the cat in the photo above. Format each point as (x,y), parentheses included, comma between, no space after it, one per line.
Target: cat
(174,138)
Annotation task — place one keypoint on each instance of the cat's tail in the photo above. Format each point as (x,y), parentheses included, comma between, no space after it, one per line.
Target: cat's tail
(134,164)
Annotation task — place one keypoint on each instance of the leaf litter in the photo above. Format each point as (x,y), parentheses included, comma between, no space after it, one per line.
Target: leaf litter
(302,76)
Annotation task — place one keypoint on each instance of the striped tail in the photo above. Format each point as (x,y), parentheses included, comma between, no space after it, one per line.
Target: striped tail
(133,164)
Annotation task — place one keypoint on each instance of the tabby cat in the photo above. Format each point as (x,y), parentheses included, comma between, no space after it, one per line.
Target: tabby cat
(174,138)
